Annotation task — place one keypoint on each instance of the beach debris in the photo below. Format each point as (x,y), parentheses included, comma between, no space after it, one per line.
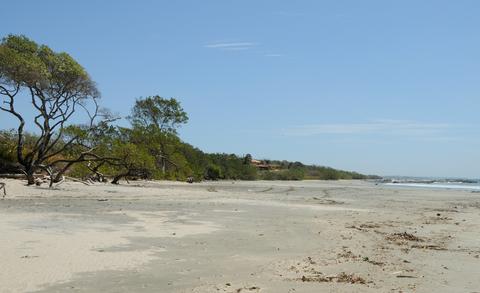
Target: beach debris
(403,237)
(406,276)
(2,187)
(29,256)
(348,254)
(350,278)
(102,199)
(364,227)
(445,210)
(212,189)
(316,278)
(308,271)
(327,201)
(355,227)
(86,182)
(376,263)
(311,261)
(430,247)
(339,278)
(370,225)
(437,218)
(266,190)
(248,289)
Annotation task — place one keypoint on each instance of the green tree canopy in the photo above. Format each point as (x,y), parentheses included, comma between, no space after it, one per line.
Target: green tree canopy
(57,87)
(24,63)
(164,114)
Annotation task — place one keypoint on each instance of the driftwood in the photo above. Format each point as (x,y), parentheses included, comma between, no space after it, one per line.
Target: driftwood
(40,179)
(13,176)
(95,174)
(77,180)
(20,176)
(2,187)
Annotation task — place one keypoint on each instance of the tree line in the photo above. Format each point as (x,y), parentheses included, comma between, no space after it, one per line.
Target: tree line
(60,92)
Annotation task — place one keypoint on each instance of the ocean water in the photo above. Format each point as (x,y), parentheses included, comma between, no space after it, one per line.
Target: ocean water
(440,185)
(435,183)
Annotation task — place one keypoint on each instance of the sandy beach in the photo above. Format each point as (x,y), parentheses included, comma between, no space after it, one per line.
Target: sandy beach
(306,236)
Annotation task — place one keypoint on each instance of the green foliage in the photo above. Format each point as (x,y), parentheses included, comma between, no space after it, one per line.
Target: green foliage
(27,64)
(233,167)
(8,158)
(213,172)
(288,174)
(327,173)
(297,171)
(156,112)
(133,159)
(19,61)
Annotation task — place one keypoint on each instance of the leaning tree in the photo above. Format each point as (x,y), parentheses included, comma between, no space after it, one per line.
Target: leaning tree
(57,87)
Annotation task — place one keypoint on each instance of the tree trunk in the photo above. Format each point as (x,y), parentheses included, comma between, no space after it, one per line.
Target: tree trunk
(118,177)
(30,176)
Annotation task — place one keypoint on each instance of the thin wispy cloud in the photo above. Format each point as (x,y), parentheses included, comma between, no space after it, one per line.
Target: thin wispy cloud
(242,46)
(231,45)
(390,127)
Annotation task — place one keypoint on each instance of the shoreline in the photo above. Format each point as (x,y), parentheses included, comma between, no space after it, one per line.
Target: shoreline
(435,186)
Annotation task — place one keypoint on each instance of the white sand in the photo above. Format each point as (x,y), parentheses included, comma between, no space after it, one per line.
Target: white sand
(39,249)
(241,237)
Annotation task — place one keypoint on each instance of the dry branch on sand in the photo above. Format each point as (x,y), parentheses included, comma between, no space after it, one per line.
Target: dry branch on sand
(2,187)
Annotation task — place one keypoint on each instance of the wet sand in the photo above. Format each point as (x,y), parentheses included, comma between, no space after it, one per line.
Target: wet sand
(310,236)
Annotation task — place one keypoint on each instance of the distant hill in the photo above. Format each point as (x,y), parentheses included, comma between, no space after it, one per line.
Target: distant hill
(285,170)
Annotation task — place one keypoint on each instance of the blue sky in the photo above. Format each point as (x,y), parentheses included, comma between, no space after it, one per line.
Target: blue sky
(381,87)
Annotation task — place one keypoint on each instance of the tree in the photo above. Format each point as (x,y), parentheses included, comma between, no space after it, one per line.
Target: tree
(164,114)
(247,160)
(158,120)
(57,86)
